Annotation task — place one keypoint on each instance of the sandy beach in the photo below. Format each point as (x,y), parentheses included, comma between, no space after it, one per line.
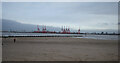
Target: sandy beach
(59,49)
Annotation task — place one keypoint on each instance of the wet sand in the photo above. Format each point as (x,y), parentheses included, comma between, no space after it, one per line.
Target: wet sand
(59,49)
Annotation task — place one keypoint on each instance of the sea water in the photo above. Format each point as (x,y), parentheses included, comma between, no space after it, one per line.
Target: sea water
(88,36)
(101,37)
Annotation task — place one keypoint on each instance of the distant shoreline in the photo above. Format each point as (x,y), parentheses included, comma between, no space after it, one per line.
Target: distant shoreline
(40,36)
(64,33)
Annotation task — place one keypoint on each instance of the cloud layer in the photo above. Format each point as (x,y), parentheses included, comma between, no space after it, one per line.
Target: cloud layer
(86,15)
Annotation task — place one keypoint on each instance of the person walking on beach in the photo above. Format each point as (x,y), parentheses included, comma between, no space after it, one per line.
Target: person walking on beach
(14,40)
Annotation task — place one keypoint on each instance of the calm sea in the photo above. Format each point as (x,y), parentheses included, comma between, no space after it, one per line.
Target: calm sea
(101,37)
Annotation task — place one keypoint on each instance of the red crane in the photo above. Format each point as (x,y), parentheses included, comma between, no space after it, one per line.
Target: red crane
(68,30)
(38,28)
(44,29)
(79,31)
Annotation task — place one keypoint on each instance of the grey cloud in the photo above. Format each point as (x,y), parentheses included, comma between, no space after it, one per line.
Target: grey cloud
(107,8)
(85,14)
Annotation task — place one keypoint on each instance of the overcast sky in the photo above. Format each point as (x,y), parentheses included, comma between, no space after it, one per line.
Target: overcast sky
(86,15)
